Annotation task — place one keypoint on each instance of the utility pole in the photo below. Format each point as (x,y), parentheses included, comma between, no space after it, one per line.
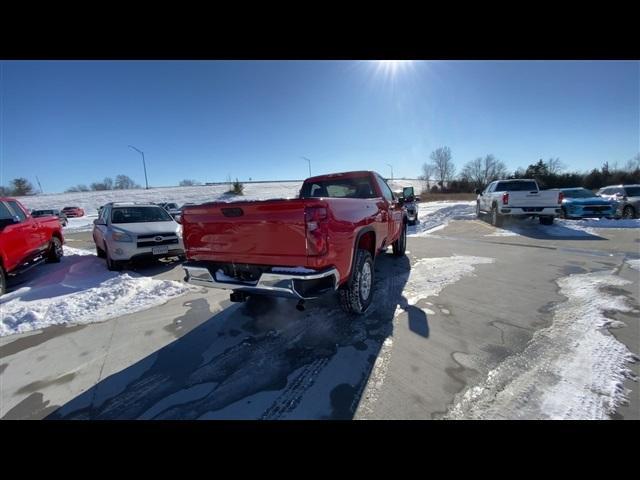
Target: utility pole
(38,180)
(143,166)
(391,170)
(308,161)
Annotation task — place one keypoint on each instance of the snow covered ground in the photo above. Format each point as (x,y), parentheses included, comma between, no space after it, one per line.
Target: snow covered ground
(573,369)
(434,216)
(80,290)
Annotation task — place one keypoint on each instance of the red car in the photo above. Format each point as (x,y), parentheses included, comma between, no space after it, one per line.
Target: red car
(323,241)
(73,212)
(26,241)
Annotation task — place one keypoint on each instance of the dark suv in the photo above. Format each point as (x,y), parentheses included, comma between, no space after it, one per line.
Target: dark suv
(52,211)
(627,198)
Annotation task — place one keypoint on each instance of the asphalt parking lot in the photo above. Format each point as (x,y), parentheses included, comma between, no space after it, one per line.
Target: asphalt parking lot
(426,341)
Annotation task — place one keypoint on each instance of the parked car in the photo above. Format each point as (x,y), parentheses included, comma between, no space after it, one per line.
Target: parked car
(130,231)
(410,203)
(583,203)
(53,211)
(518,198)
(73,212)
(323,241)
(172,208)
(26,241)
(627,198)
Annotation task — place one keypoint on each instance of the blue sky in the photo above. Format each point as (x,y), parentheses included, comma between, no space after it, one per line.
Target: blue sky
(70,122)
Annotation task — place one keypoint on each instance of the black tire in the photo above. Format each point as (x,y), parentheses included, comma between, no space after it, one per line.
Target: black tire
(355,297)
(412,222)
(628,212)
(563,213)
(496,218)
(55,251)
(3,281)
(546,220)
(100,252)
(400,245)
(112,265)
(478,212)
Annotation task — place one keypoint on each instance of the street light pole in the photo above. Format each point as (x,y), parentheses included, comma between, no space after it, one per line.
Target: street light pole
(391,170)
(309,161)
(143,166)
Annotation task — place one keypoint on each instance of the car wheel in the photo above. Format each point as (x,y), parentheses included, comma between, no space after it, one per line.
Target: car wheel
(546,220)
(112,265)
(55,251)
(356,294)
(496,218)
(3,281)
(628,212)
(478,212)
(100,252)
(400,245)
(563,213)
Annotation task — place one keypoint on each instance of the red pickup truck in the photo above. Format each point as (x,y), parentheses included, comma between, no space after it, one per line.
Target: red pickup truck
(26,241)
(325,240)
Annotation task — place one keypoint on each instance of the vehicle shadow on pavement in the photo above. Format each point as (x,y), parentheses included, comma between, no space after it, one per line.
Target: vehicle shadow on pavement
(258,360)
(557,231)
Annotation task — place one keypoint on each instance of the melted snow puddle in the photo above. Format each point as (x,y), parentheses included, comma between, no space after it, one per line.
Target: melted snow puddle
(573,369)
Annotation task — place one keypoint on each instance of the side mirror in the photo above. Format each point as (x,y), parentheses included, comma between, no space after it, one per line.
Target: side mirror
(178,218)
(478,191)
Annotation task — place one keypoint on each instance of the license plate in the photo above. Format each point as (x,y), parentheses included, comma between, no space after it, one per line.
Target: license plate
(160,250)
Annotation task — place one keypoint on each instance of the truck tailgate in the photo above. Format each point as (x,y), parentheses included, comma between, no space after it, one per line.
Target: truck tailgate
(533,199)
(270,232)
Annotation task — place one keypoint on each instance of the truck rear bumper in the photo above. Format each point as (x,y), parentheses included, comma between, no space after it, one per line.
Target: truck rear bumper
(301,286)
(531,211)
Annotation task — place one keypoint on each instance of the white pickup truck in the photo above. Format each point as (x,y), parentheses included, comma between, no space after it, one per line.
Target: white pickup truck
(520,198)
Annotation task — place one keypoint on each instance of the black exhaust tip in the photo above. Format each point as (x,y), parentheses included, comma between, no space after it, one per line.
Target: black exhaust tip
(300,306)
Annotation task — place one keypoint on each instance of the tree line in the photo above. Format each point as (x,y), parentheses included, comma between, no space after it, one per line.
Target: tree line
(439,175)
(121,182)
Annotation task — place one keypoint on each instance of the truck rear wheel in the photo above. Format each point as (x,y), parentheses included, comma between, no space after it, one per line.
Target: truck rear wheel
(400,245)
(55,252)
(3,281)
(546,220)
(496,218)
(357,293)
(112,265)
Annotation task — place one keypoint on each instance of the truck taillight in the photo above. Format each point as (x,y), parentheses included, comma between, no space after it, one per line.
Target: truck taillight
(560,197)
(505,198)
(317,231)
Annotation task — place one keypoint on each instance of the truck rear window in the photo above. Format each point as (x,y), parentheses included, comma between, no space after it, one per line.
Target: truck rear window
(516,187)
(339,188)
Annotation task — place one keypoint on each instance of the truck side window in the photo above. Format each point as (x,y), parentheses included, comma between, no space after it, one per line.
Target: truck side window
(386,191)
(5,213)
(17,211)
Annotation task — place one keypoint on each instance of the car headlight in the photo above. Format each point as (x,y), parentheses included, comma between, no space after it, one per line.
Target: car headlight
(121,237)
(179,231)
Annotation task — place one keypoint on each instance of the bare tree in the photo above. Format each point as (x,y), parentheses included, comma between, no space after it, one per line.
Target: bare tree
(633,163)
(554,166)
(123,182)
(483,171)
(188,183)
(443,165)
(21,186)
(427,174)
(106,184)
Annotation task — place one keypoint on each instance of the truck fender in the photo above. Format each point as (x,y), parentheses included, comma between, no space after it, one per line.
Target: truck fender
(373,252)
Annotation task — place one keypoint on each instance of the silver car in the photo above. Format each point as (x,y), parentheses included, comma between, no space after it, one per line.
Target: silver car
(130,231)
(627,198)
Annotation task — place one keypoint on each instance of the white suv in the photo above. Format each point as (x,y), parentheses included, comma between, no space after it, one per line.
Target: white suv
(131,231)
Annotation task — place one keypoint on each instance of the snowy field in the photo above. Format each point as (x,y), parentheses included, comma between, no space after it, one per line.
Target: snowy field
(81,290)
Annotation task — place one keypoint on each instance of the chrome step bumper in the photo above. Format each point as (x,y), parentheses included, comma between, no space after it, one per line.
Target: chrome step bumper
(281,284)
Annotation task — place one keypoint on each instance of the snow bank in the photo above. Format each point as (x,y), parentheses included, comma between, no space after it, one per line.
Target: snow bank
(434,216)
(91,201)
(635,264)
(81,290)
(574,369)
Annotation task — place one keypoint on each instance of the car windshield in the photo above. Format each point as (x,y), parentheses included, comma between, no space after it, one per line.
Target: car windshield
(516,187)
(359,187)
(139,215)
(69,208)
(632,191)
(579,193)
